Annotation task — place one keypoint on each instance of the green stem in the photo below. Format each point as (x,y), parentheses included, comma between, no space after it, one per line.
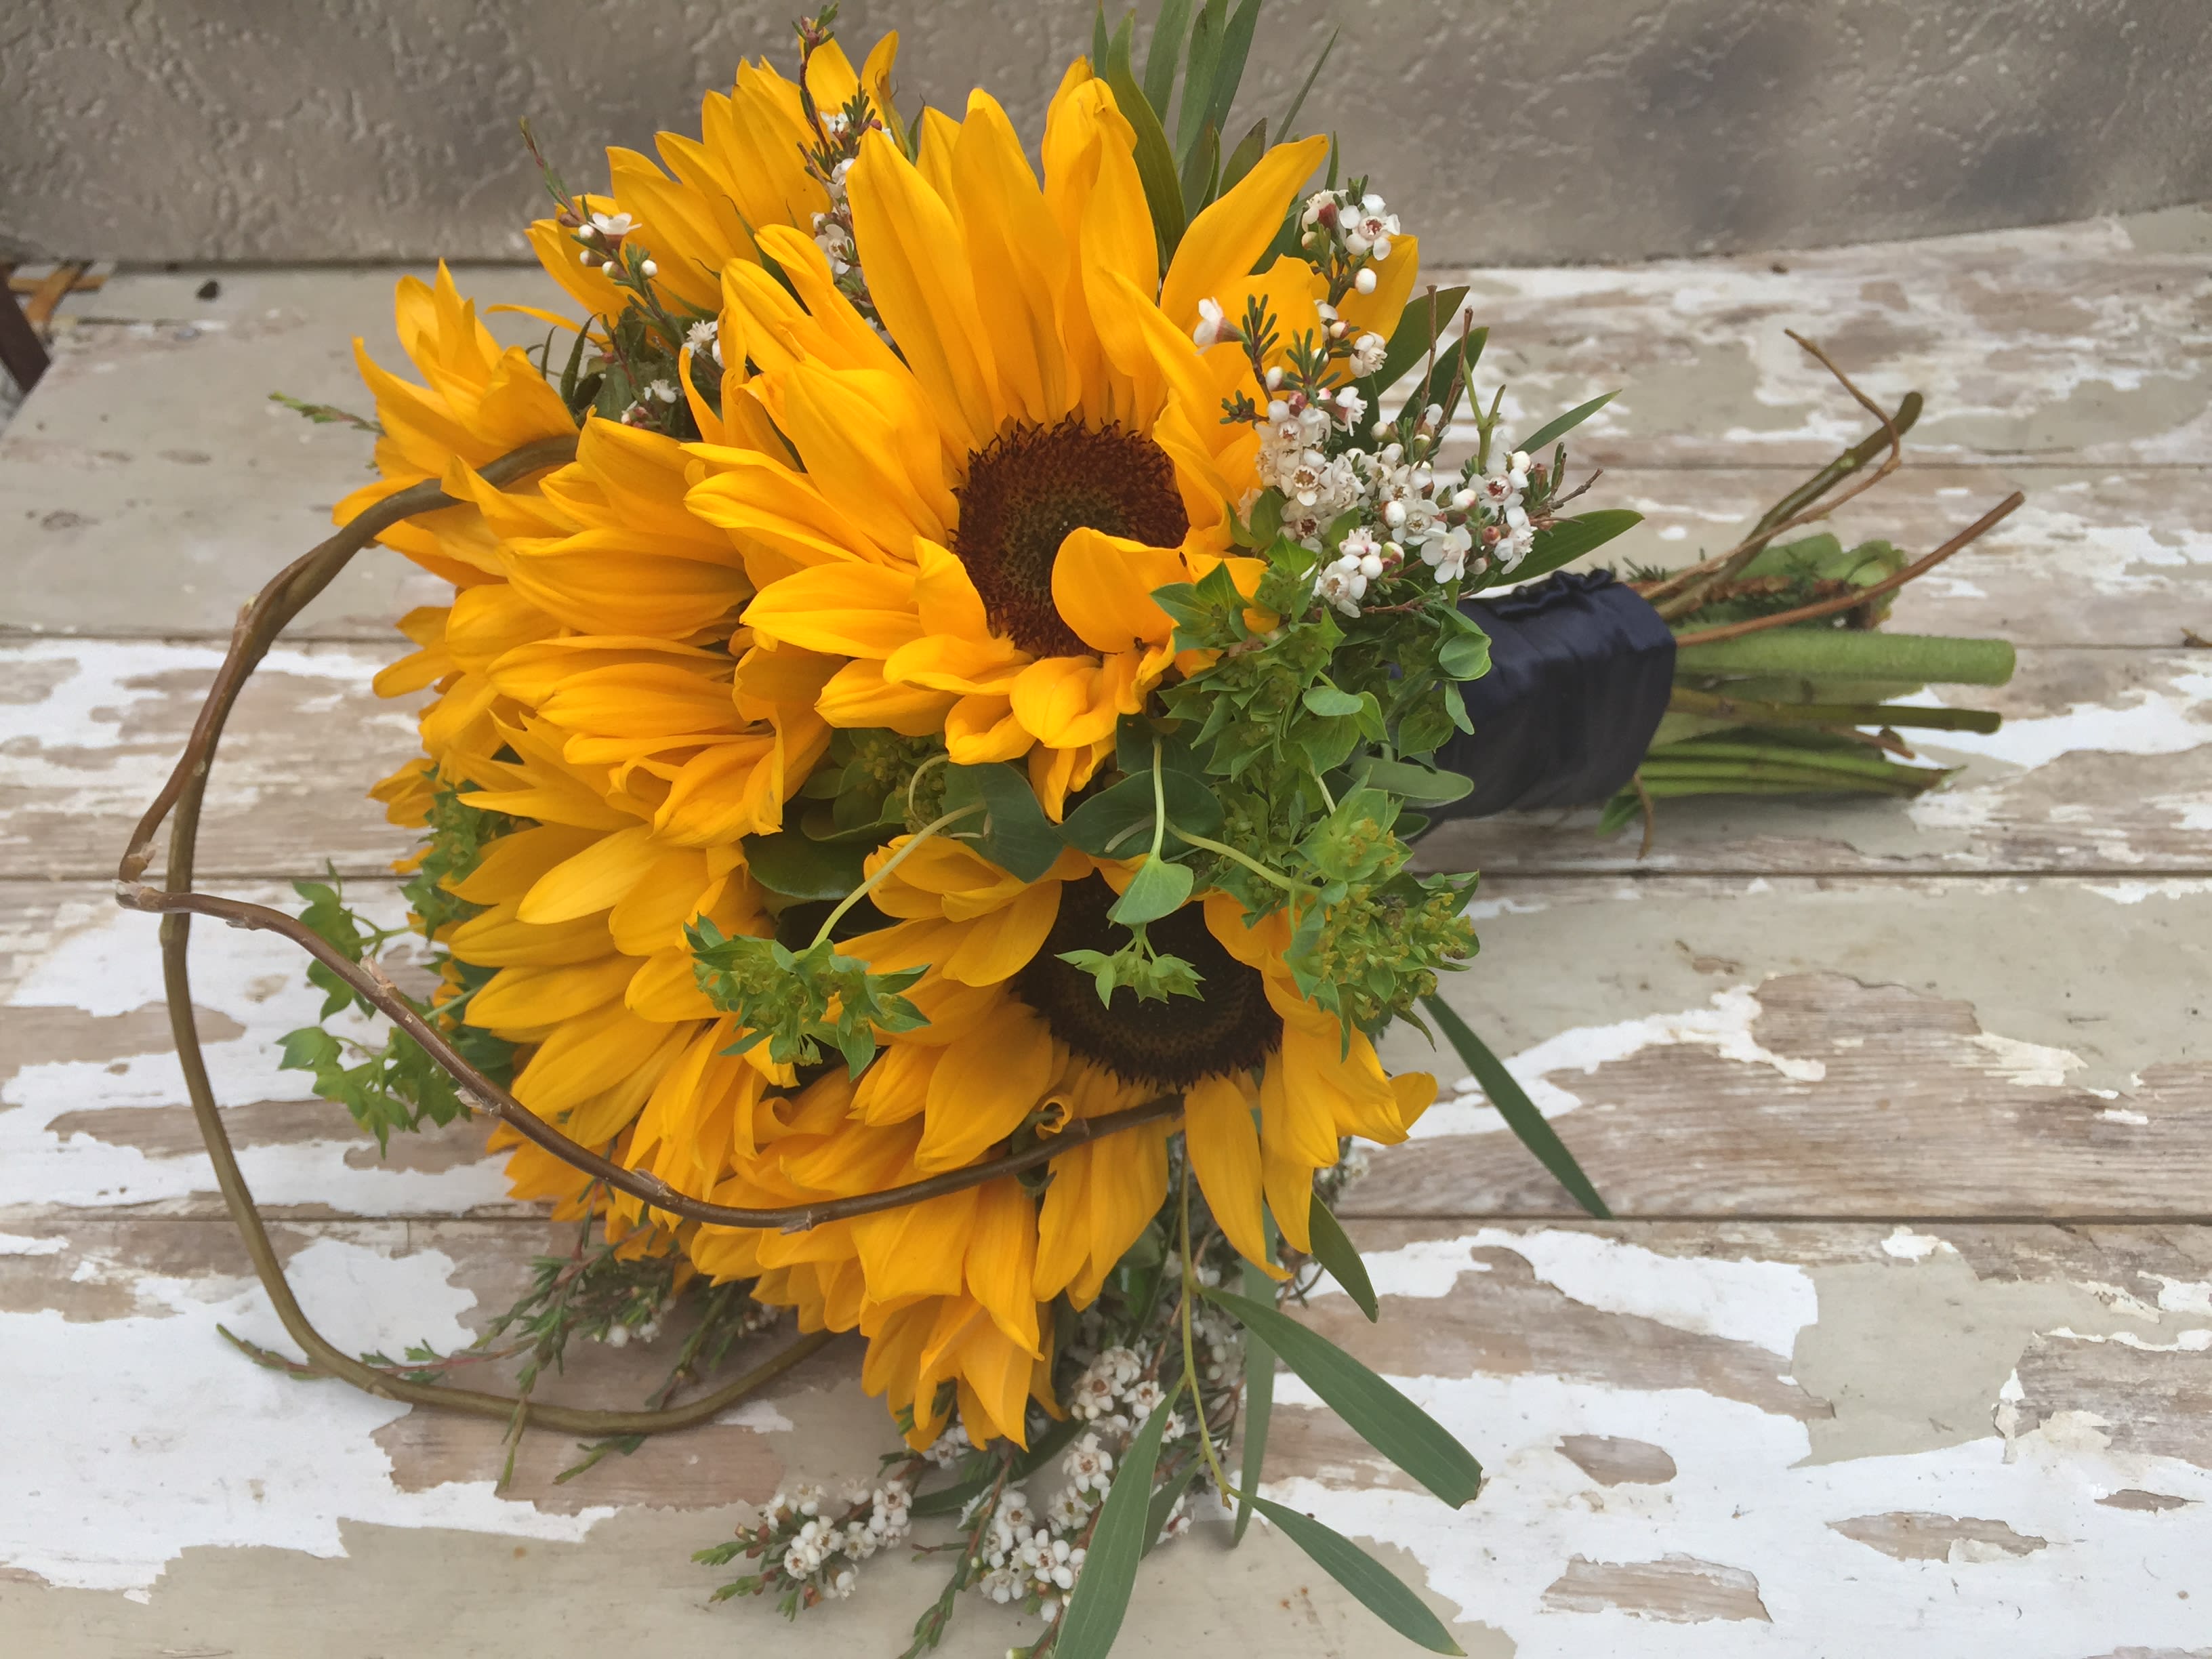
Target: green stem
(1823,653)
(890,864)
(1190,1347)
(1717,705)
(1699,752)
(1253,865)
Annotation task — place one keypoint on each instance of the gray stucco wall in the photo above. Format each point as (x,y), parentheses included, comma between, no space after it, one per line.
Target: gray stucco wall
(1555,130)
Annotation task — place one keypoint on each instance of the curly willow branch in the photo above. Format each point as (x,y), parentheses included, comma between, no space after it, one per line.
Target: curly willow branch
(264,618)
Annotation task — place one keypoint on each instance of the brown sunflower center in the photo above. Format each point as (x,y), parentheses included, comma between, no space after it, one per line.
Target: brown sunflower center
(1228,1027)
(1030,488)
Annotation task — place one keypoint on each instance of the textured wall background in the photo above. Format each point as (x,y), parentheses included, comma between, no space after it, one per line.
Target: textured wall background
(291,130)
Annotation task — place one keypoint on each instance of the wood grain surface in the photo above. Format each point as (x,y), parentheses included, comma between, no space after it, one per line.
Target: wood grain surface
(1902,1342)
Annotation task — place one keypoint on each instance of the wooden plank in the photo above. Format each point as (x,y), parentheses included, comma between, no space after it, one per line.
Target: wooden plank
(1831,1047)
(2051,345)
(89,730)
(1818,1046)
(150,485)
(1768,1434)
(92,728)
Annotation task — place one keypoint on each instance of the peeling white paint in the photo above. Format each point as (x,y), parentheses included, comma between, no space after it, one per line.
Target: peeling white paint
(16,1244)
(112,685)
(1908,1246)
(1764,1302)
(2134,1120)
(2151,722)
(2027,1063)
(2135,892)
(2194,1342)
(2182,1295)
(1744,1497)
(1724,1026)
(133,1439)
(103,962)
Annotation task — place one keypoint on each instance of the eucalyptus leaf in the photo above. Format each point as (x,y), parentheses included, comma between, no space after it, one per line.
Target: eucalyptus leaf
(1198,75)
(1283,128)
(1379,1590)
(1246,156)
(1377,1412)
(799,867)
(1424,785)
(1158,889)
(1567,423)
(1334,1249)
(1013,833)
(1156,168)
(1464,651)
(1513,1105)
(1103,825)
(1329,702)
(1568,539)
(1101,1597)
(1161,57)
(1229,69)
(1259,1391)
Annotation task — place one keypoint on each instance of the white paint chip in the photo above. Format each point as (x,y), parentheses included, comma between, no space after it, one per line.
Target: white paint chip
(136,1439)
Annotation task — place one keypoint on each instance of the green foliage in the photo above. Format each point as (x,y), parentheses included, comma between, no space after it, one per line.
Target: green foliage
(796,1001)
(396,1084)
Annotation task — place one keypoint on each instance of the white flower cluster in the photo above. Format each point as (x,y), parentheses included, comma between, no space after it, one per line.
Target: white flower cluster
(1403,508)
(822,1554)
(1104,1382)
(602,238)
(833,231)
(1362,227)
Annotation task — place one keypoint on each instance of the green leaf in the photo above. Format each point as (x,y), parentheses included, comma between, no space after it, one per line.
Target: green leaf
(1161,57)
(1463,653)
(1095,1610)
(1259,1392)
(1014,833)
(1099,43)
(1379,1589)
(1409,341)
(1156,167)
(1567,423)
(1283,128)
(1228,68)
(1425,784)
(1377,1412)
(1513,1105)
(1330,703)
(1198,76)
(1333,1249)
(799,867)
(311,1048)
(1568,539)
(1246,156)
(1158,889)
(1117,823)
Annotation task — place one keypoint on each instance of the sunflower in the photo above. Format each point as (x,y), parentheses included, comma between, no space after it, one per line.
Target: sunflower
(1020,1035)
(745,170)
(942,1290)
(980,518)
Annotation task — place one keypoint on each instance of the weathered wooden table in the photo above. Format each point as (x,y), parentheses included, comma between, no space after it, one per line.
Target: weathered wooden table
(1903,1343)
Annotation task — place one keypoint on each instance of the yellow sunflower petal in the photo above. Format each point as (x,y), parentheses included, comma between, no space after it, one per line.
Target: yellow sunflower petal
(982,728)
(1102,586)
(1224,1145)
(919,278)
(848,610)
(980,1092)
(1226,241)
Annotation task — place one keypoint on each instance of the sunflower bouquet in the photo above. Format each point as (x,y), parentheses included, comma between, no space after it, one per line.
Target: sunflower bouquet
(948,657)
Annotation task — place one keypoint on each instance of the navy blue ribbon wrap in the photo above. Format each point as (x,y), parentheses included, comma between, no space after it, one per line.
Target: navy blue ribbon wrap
(1580,671)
